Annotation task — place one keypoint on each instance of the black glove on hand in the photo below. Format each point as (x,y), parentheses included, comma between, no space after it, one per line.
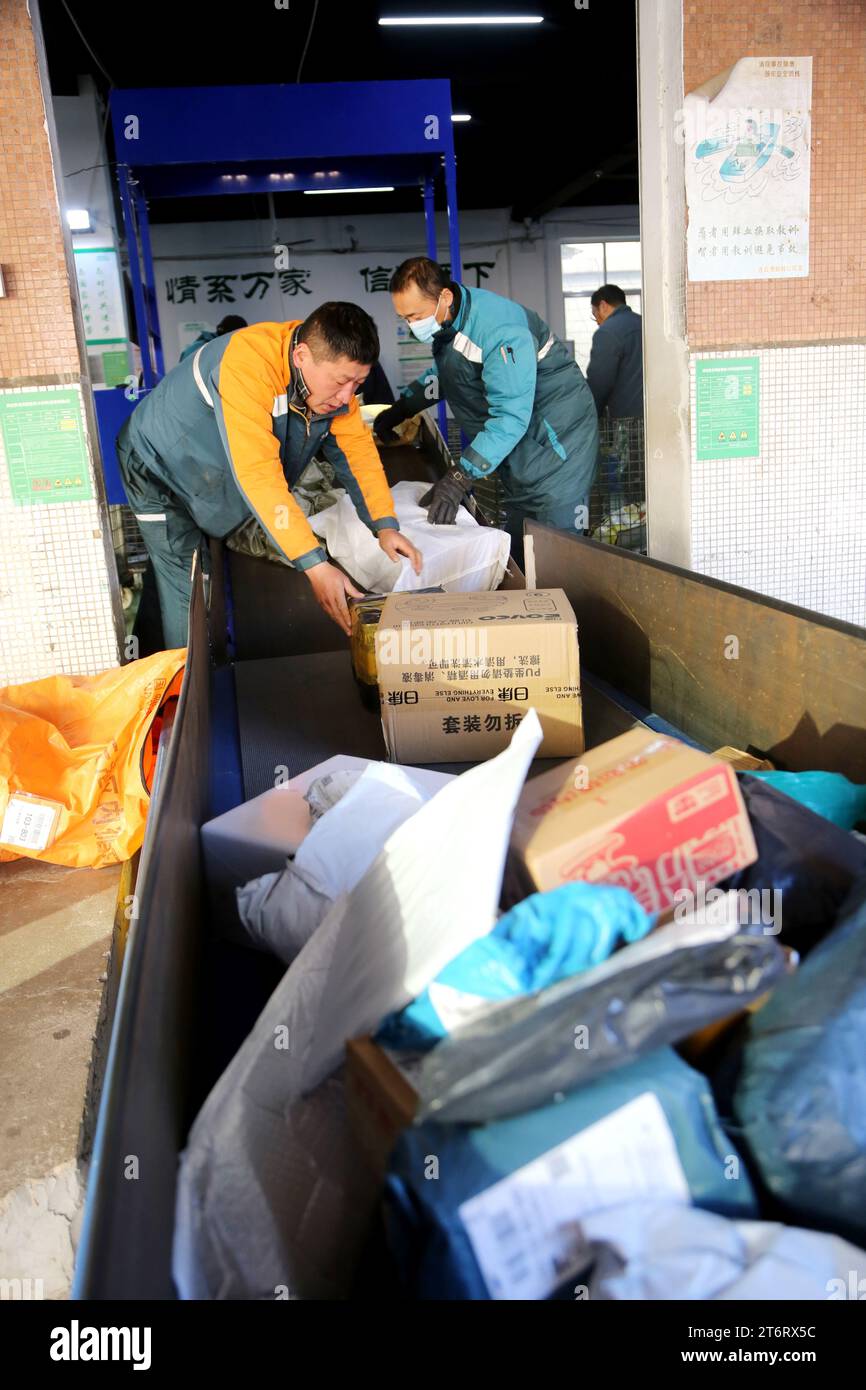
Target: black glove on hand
(383,425)
(444,497)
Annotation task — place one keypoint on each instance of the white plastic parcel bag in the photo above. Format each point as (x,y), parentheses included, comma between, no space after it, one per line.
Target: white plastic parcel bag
(463,558)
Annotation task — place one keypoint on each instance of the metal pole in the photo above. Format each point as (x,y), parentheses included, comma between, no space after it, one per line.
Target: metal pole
(453,237)
(150,280)
(430,214)
(451,201)
(135,272)
(430,228)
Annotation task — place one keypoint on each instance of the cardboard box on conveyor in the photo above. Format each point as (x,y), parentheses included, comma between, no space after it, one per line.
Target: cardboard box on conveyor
(458,672)
(644,811)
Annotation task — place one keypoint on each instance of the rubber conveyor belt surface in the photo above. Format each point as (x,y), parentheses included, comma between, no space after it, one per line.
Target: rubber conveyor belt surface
(297,711)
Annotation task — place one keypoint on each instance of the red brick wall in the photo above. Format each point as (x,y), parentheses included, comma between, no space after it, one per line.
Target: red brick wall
(37,335)
(830,304)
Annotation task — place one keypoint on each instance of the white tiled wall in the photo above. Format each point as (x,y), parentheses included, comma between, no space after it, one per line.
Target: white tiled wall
(56,613)
(791,523)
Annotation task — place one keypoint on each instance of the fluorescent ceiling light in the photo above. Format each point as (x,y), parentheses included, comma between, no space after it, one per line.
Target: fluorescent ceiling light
(78,219)
(461,118)
(320,192)
(418,20)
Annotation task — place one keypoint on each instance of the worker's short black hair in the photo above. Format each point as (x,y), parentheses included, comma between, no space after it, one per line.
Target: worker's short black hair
(230,323)
(610,294)
(339,329)
(421,271)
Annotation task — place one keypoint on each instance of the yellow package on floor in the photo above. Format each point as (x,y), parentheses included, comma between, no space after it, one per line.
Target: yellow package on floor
(77,757)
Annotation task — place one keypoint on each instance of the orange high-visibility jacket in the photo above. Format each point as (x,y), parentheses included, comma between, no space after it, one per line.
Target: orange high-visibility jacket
(227,432)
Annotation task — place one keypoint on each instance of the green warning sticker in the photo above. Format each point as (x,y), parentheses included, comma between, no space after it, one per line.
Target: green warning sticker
(727,391)
(45,446)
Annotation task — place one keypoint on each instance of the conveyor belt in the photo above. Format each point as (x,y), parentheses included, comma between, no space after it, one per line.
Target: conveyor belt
(297,701)
(296,711)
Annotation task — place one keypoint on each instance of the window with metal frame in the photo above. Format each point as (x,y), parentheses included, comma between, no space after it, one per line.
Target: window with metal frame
(586,266)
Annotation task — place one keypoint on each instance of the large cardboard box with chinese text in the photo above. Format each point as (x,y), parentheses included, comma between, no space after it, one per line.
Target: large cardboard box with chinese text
(643,811)
(458,672)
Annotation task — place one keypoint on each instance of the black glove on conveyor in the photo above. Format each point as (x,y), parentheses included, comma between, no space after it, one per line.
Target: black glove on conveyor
(383,425)
(445,496)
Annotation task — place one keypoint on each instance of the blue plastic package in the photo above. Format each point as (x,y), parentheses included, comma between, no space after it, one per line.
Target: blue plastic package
(546,938)
(664,1122)
(800,1096)
(828,794)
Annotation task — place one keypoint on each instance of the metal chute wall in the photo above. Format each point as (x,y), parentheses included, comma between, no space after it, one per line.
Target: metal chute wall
(125,1250)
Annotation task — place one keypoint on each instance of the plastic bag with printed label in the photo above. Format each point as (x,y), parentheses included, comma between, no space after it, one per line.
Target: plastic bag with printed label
(77,758)
(503,1218)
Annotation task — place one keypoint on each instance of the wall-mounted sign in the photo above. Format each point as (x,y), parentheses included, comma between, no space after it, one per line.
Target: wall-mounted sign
(99,287)
(45,446)
(747,139)
(115,366)
(194,296)
(727,407)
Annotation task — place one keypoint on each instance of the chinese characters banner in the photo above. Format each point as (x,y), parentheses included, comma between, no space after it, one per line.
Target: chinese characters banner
(194,297)
(747,160)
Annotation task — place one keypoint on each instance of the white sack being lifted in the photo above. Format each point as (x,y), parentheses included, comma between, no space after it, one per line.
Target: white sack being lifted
(273,1199)
(463,558)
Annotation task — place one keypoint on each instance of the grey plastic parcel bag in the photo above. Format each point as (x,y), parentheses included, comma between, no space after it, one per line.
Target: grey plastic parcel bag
(521,1053)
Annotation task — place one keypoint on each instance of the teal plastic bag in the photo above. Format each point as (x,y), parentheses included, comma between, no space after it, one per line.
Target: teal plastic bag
(547,937)
(828,794)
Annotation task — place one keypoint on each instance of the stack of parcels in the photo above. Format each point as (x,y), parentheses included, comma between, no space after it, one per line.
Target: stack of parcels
(539,1102)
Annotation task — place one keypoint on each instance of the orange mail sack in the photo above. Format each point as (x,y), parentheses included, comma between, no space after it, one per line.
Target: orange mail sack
(77,758)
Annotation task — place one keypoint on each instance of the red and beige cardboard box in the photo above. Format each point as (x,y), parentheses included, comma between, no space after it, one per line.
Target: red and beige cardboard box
(458,672)
(643,811)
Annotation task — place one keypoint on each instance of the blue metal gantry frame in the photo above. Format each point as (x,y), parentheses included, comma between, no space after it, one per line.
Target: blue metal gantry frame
(174,142)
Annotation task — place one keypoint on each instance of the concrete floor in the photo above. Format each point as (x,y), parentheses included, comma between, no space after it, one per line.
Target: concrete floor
(56,932)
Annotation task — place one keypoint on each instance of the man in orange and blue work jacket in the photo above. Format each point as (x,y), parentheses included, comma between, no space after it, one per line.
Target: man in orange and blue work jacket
(228,432)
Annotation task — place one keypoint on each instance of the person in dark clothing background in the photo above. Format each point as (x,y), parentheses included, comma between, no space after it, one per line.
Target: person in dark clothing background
(615,371)
(226,325)
(376,390)
(615,378)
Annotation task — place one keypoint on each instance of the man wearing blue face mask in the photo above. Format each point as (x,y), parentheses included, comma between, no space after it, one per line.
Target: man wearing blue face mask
(514,390)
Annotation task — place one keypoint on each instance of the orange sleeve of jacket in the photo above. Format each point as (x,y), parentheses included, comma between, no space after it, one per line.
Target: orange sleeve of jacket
(248,380)
(351,446)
